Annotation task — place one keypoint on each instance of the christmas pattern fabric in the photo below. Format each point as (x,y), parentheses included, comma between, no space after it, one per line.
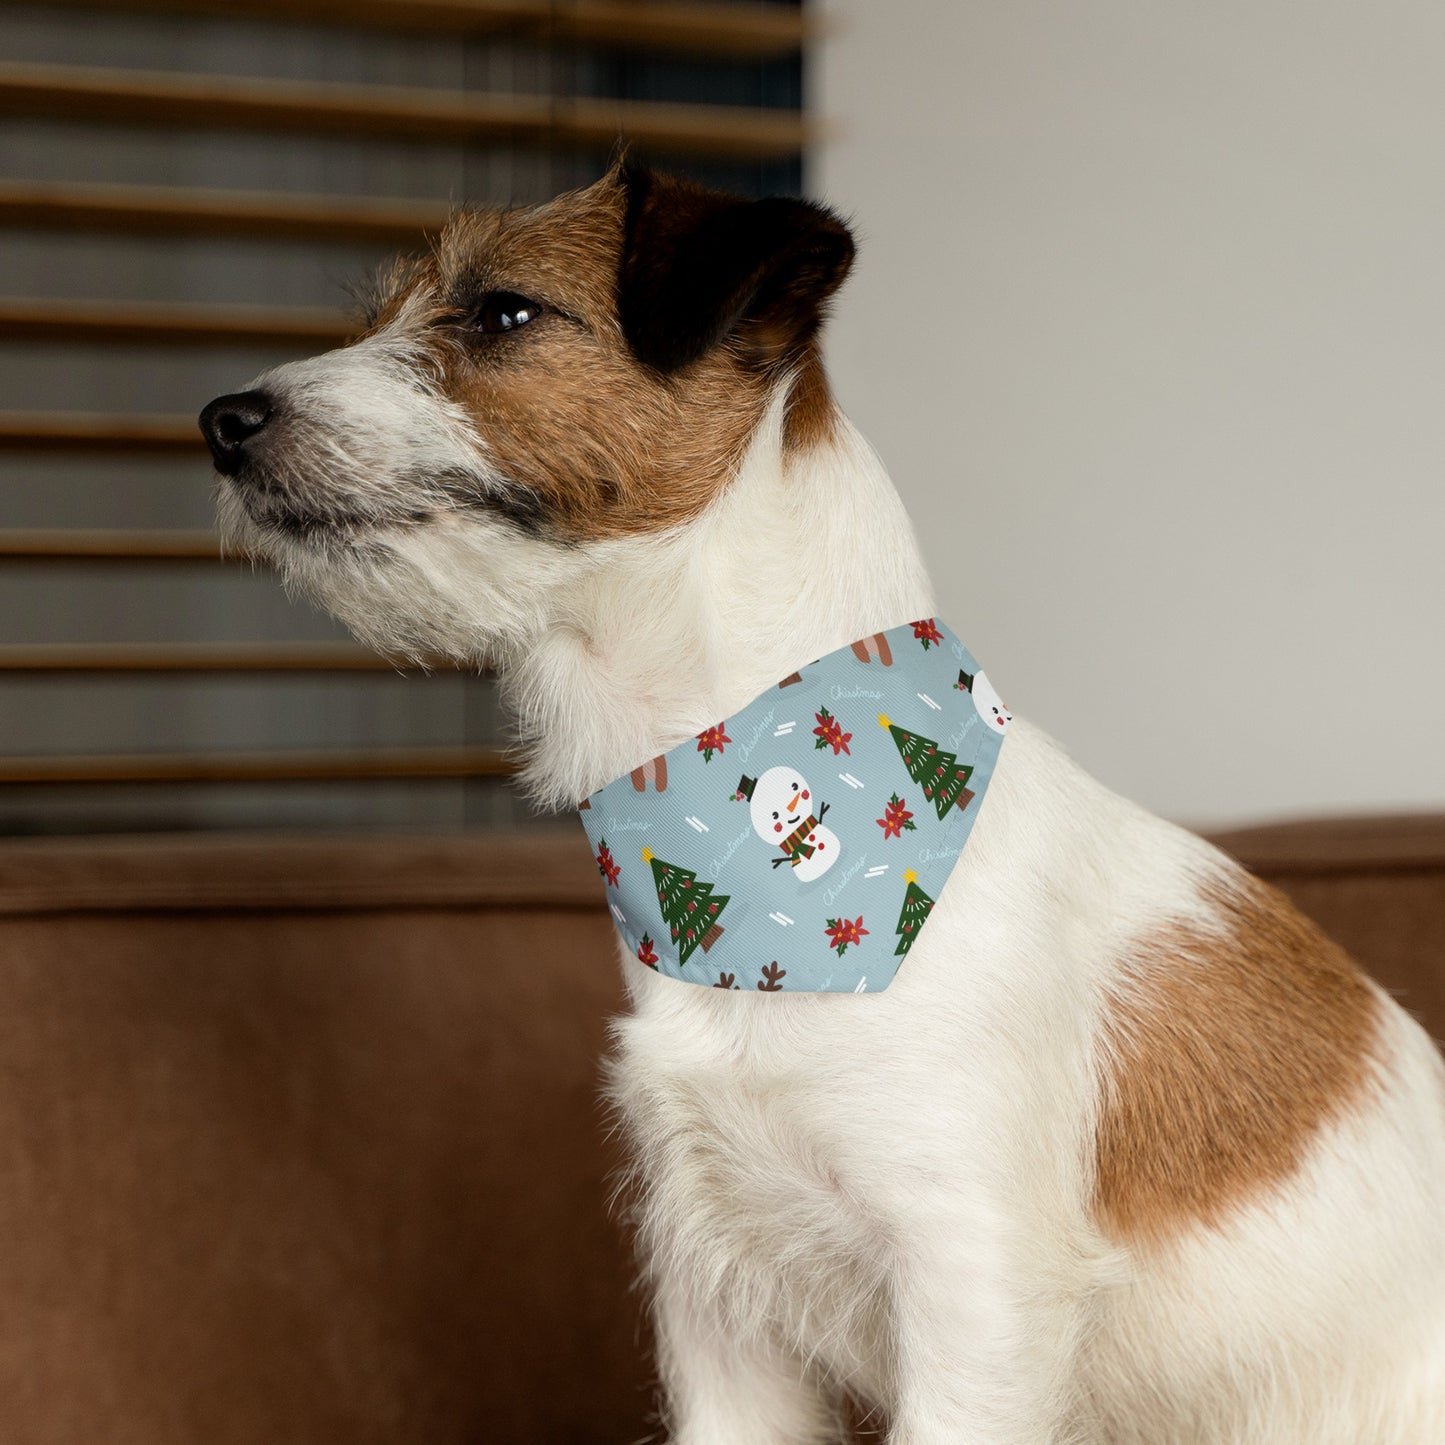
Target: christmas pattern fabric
(800,844)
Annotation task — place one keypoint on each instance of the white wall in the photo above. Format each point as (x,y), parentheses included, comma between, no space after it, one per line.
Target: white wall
(1149,325)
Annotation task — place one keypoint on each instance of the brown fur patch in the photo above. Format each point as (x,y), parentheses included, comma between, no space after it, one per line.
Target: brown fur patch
(597,443)
(812,414)
(607,446)
(1225,1055)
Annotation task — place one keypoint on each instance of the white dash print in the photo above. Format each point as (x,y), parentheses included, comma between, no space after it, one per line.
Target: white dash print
(617,913)
(862,985)
(785,728)
(930,702)
(850,780)
(876,872)
(697,824)
(781,918)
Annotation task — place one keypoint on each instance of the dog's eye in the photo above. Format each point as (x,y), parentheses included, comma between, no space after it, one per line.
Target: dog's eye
(504,311)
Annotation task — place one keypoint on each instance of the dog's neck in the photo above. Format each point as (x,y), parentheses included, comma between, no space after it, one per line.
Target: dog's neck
(657,639)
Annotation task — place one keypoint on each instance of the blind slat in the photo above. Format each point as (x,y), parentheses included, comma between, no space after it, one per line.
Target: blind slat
(75,544)
(169,323)
(257,767)
(173,211)
(87,431)
(159,98)
(718,29)
(190,657)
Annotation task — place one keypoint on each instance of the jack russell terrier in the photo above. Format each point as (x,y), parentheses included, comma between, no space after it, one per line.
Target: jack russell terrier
(1125,1152)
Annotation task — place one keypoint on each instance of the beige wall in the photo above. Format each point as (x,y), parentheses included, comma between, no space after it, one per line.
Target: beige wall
(1149,325)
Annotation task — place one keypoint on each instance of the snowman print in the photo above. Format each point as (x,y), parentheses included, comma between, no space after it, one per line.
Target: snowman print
(783,813)
(995,715)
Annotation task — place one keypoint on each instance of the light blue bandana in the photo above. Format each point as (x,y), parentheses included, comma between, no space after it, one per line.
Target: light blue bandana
(800,844)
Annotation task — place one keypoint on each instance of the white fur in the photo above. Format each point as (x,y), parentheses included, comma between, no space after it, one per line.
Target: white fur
(890,1194)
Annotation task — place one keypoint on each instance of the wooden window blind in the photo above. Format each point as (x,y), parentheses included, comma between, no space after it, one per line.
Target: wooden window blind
(186,186)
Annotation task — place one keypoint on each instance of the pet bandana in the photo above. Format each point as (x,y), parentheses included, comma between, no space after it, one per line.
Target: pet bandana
(801,843)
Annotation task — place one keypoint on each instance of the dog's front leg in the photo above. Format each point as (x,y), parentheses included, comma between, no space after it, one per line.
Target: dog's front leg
(984,1347)
(723,1388)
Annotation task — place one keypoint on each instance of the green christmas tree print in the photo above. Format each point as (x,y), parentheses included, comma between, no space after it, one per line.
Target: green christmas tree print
(939,774)
(917,905)
(689,908)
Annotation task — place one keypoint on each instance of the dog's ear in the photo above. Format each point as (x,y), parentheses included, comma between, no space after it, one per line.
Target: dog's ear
(699,266)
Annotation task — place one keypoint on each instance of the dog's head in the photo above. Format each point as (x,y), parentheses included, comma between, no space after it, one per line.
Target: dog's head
(546,380)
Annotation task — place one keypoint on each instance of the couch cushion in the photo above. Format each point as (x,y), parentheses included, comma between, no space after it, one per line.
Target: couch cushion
(300,1141)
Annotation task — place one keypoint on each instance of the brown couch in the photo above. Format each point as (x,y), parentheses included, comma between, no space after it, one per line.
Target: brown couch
(300,1140)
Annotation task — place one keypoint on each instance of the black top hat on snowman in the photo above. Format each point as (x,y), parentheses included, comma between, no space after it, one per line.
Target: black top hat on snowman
(745,789)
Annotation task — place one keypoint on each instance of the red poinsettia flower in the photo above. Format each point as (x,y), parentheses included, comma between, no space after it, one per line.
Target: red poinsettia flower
(646,953)
(606,863)
(843,931)
(830,734)
(896,818)
(926,631)
(712,741)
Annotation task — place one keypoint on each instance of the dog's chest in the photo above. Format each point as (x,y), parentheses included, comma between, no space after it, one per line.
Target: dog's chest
(751,1178)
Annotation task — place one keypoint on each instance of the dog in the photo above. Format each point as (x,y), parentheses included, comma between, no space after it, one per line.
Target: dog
(1127,1152)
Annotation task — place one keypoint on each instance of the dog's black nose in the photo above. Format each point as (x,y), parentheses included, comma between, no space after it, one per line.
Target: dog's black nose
(229,422)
